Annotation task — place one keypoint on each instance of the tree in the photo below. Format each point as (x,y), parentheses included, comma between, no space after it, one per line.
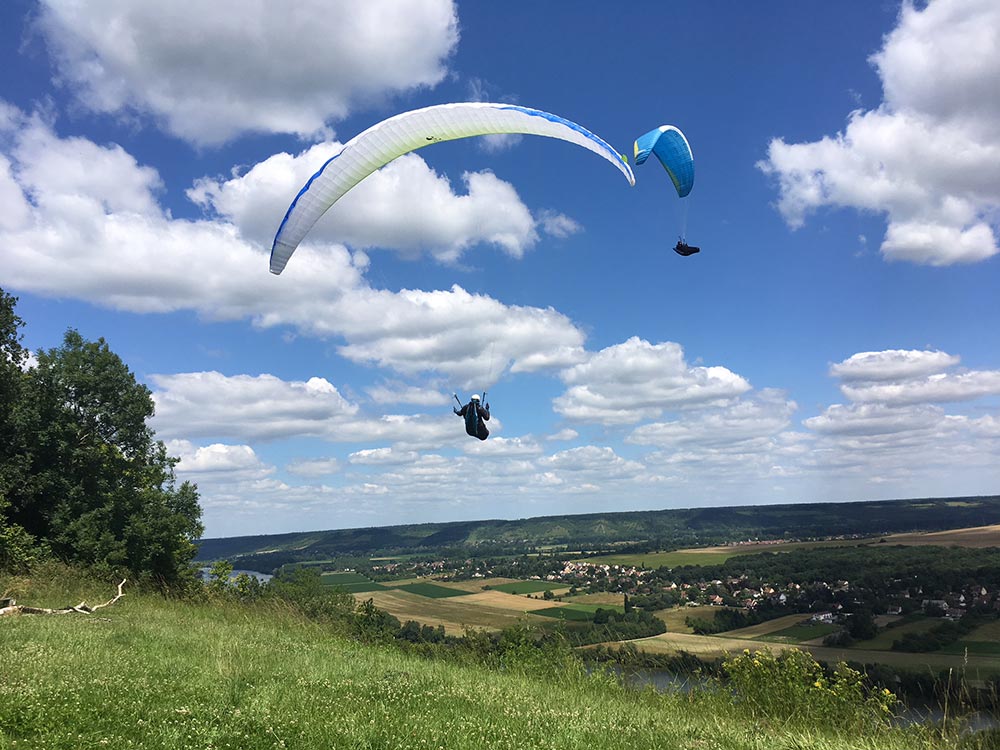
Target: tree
(18,548)
(861,625)
(91,481)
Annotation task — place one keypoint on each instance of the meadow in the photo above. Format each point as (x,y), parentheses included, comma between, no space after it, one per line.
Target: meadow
(714,555)
(977,536)
(156,673)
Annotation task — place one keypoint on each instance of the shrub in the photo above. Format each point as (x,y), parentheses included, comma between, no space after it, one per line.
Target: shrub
(793,689)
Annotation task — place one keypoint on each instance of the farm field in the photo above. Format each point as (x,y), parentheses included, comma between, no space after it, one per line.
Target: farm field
(353,583)
(715,555)
(501,600)
(988,632)
(603,598)
(431,590)
(671,559)
(766,628)
(477,584)
(975,536)
(529,587)
(675,617)
(453,613)
(989,648)
(884,639)
(569,612)
(802,633)
(337,579)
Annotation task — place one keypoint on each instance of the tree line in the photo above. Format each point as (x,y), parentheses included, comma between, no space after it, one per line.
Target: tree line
(82,477)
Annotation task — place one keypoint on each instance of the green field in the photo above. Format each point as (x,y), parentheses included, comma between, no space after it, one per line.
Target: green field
(527,587)
(654,560)
(340,579)
(800,633)
(431,590)
(713,555)
(675,617)
(883,641)
(353,583)
(361,588)
(571,613)
(991,648)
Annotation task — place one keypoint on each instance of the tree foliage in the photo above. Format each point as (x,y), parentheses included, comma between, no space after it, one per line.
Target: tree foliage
(80,470)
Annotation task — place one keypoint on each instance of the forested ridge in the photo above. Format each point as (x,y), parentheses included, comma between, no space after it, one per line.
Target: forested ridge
(633,531)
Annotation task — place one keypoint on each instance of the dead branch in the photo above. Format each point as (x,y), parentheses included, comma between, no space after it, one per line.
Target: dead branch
(10,607)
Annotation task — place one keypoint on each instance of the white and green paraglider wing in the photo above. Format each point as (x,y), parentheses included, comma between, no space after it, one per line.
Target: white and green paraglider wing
(398,135)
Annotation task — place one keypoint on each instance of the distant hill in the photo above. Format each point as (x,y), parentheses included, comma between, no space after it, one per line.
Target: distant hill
(637,530)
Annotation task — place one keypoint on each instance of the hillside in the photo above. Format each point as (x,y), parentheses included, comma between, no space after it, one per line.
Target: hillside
(154,673)
(663,529)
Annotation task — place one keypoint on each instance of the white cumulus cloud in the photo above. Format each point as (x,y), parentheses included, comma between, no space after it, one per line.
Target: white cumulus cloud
(637,380)
(406,206)
(929,154)
(208,72)
(83,221)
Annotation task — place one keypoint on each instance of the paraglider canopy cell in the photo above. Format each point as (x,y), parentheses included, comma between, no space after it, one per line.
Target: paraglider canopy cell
(674,153)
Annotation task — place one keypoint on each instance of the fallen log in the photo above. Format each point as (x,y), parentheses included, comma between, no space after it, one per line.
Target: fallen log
(11,607)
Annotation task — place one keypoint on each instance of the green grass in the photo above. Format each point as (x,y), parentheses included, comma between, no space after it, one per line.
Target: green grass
(431,590)
(528,587)
(156,673)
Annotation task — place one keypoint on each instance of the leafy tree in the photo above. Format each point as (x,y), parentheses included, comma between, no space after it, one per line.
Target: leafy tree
(18,548)
(83,472)
(219,575)
(861,626)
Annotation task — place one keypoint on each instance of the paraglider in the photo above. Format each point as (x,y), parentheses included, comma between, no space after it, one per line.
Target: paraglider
(672,149)
(406,132)
(682,248)
(475,416)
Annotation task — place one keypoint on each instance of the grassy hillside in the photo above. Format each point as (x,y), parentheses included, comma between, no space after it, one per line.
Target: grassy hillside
(663,529)
(154,673)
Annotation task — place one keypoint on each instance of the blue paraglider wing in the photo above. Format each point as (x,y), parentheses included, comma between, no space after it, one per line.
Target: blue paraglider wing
(674,153)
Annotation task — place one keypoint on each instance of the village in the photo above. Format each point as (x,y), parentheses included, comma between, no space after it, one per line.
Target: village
(826,601)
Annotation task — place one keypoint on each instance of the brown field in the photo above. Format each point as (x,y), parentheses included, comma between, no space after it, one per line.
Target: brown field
(476,584)
(604,597)
(513,602)
(453,615)
(975,536)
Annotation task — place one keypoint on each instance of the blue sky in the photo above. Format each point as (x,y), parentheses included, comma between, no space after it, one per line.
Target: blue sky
(836,339)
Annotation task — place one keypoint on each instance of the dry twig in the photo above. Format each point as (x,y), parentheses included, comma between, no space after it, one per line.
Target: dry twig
(10,607)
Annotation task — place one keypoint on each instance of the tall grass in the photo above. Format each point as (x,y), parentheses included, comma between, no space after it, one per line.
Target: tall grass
(154,673)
